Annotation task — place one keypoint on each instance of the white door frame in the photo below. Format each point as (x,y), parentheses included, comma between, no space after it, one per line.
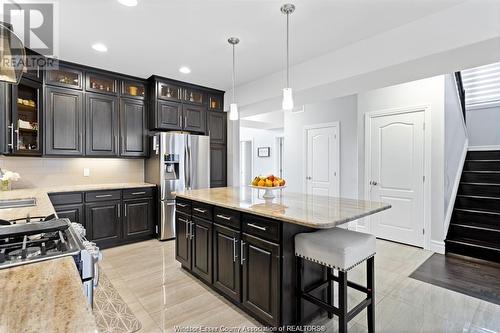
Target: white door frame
(427,161)
(251,159)
(304,149)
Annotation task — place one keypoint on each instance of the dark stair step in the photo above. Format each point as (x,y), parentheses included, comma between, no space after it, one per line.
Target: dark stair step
(476,217)
(489,204)
(481,177)
(483,155)
(482,165)
(476,232)
(473,248)
(480,189)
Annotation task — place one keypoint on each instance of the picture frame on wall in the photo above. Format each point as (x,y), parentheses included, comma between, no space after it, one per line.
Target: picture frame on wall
(263,151)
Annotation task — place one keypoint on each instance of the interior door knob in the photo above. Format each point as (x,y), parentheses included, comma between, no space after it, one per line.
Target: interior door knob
(308,177)
(374,183)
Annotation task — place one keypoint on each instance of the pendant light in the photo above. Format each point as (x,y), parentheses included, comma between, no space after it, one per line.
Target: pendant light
(12,55)
(287,103)
(233,107)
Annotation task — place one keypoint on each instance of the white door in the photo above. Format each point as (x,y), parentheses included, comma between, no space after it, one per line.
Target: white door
(395,175)
(322,161)
(246,163)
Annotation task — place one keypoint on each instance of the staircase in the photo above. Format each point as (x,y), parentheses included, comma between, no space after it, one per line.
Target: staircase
(475,224)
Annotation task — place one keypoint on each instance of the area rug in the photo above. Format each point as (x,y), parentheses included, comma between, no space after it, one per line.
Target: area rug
(111,313)
(469,276)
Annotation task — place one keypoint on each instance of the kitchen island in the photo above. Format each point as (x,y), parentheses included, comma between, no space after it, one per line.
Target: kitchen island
(242,245)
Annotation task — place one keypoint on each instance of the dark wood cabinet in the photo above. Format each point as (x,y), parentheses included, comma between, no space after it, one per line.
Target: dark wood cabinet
(133,139)
(183,239)
(218,163)
(101,83)
(101,125)
(65,76)
(27,111)
(137,218)
(202,248)
(103,223)
(226,258)
(6,125)
(75,213)
(168,116)
(64,122)
(217,127)
(261,279)
(194,118)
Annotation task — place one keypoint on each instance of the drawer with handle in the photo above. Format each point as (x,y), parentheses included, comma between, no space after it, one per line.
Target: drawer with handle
(264,228)
(66,198)
(94,196)
(183,206)
(227,217)
(202,210)
(141,192)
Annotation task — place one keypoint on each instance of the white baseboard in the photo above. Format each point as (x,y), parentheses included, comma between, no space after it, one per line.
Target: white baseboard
(491,147)
(437,247)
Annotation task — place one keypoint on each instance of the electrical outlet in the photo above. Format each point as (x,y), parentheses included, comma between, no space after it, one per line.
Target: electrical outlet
(86,172)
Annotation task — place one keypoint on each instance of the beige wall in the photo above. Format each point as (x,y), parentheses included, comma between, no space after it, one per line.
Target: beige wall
(40,172)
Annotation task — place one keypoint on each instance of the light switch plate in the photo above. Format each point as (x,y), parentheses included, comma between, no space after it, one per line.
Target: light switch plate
(86,172)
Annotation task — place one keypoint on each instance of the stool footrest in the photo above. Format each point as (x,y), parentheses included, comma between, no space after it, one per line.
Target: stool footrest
(330,308)
(358,308)
(351,284)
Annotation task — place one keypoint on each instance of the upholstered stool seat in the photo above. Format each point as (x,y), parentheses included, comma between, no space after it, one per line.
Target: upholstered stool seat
(338,249)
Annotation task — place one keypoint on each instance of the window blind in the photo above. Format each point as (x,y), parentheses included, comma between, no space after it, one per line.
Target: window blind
(482,86)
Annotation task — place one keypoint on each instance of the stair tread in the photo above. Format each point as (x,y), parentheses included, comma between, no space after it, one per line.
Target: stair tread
(473,225)
(475,211)
(477,196)
(479,160)
(474,242)
(482,171)
(480,184)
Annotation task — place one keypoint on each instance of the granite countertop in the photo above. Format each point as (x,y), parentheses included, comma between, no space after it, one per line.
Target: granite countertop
(44,297)
(43,205)
(309,210)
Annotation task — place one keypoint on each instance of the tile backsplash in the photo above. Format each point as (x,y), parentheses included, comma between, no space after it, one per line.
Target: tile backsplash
(41,172)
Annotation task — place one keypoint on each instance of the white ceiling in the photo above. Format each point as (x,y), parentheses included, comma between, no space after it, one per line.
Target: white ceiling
(159,36)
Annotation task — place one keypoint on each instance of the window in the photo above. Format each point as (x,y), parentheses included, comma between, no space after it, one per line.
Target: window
(482,86)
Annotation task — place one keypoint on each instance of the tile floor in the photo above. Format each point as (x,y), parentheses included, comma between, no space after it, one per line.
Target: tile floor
(162,295)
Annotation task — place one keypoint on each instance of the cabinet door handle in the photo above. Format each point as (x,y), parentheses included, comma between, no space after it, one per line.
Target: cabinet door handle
(256,226)
(183,220)
(203,211)
(234,249)
(191,233)
(181,205)
(242,252)
(138,193)
(119,214)
(11,144)
(104,196)
(227,218)
(17,137)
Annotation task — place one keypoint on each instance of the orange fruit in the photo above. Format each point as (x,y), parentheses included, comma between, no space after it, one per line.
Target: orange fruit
(261,183)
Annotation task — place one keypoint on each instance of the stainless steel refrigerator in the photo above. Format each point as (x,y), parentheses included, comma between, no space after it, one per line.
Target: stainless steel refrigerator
(177,162)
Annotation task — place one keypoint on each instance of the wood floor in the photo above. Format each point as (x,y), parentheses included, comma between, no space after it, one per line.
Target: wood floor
(163,296)
(469,276)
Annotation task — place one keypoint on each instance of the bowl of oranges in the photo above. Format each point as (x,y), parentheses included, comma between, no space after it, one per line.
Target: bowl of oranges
(269,184)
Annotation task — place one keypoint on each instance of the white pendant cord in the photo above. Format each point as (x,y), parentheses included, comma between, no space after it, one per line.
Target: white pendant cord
(288,50)
(234,70)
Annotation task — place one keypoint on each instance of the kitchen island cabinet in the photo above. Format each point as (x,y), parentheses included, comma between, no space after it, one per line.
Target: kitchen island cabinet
(252,251)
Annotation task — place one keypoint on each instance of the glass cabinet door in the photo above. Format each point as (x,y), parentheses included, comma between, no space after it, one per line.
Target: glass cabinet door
(133,89)
(101,83)
(26,118)
(215,102)
(65,77)
(193,96)
(169,91)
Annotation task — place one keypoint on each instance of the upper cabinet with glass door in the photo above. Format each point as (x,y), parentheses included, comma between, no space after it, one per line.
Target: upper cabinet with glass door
(133,89)
(215,102)
(101,83)
(170,92)
(64,77)
(194,96)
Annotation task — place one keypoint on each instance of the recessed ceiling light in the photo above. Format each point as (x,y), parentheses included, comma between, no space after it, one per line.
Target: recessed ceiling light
(184,70)
(100,47)
(128,3)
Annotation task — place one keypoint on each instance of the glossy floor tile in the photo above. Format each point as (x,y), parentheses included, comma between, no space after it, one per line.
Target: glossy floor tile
(164,297)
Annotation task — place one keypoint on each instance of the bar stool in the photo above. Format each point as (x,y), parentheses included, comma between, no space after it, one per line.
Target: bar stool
(342,250)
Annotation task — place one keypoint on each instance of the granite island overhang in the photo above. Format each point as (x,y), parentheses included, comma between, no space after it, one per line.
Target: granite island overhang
(242,245)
